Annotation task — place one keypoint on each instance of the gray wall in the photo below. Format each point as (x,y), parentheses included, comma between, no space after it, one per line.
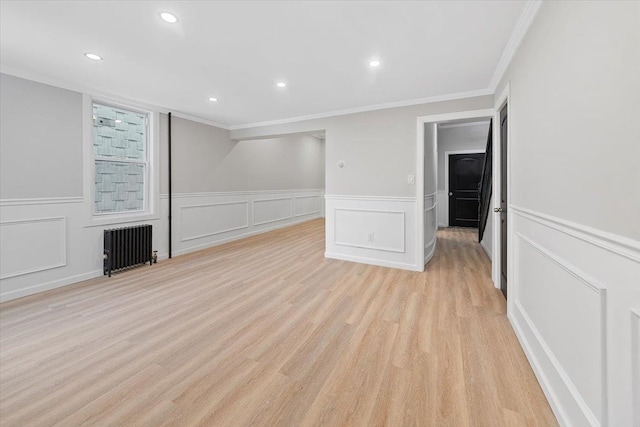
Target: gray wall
(40,140)
(205,159)
(574,115)
(459,138)
(41,150)
(430,146)
(378,147)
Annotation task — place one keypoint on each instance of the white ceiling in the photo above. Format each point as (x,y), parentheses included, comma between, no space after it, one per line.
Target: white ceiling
(236,51)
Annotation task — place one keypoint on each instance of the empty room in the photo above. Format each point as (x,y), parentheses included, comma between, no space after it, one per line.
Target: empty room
(320,213)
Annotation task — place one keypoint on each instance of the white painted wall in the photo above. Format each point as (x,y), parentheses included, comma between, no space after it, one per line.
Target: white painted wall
(379,151)
(431,141)
(223,190)
(575,207)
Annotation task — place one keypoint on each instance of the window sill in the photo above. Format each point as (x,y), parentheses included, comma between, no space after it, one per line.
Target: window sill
(101,221)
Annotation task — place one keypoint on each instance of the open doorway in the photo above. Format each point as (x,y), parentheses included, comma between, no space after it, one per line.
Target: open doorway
(451,164)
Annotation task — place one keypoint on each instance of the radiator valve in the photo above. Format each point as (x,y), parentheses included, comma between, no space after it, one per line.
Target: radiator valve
(155,257)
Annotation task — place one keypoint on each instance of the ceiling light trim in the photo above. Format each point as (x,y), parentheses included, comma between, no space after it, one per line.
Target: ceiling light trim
(522,27)
(374,107)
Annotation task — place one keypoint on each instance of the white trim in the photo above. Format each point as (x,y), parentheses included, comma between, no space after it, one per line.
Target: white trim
(42,287)
(374,107)
(539,372)
(233,238)
(240,193)
(378,248)
(253,210)
(200,236)
(497,176)
(562,374)
(446,174)
(486,249)
(429,255)
(597,287)
(372,261)
(63,249)
(463,125)
(370,198)
(152,184)
(420,122)
(612,242)
(522,26)
(40,201)
(635,364)
(39,78)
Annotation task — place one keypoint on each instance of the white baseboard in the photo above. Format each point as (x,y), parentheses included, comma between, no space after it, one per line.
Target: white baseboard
(42,287)
(486,249)
(371,261)
(540,374)
(236,237)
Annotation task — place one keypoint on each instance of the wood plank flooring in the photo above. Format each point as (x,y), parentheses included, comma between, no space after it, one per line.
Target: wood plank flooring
(265,331)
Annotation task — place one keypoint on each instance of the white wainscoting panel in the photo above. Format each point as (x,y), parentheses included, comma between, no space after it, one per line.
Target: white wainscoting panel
(270,210)
(547,286)
(430,226)
(384,229)
(443,208)
(198,221)
(32,245)
(635,363)
(571,292)
(308,205)
(209,219)
(373,230)
(58,248)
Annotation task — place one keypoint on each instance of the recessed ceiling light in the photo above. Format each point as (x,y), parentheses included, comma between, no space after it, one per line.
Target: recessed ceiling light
(374,63)
(93,56)
(118,121)
(212,99)
(281,84)
(168,17)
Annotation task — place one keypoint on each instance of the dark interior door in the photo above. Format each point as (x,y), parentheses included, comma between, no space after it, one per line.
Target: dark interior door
(504,123)
(465,171)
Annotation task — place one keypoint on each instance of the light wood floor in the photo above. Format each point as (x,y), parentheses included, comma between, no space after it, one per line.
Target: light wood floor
(265,331)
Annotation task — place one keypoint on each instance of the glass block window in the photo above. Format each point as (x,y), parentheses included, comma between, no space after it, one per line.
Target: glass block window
(120,159)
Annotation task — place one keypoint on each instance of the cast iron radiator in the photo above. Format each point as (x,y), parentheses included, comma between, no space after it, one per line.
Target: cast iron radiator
(126,247)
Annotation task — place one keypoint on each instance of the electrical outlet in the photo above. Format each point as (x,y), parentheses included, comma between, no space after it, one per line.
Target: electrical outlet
(411,179)
(371,237)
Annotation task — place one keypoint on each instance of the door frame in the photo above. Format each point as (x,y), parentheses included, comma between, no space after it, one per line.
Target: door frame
(421,121)
(446,176)
(501,100)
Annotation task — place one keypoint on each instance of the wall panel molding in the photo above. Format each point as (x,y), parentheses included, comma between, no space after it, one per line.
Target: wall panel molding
(238,193)
(40,201)
(596,288)
(261,202)
(211,222)
(304,205)
(33,245)
(635,364)
(370,198)
(620,245)
(366,215)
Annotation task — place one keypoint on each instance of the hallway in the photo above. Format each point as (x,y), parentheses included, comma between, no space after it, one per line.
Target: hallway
(266,331)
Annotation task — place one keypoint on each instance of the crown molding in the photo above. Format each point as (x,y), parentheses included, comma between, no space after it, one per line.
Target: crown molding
(374,107)
(522,26)
(40,78)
